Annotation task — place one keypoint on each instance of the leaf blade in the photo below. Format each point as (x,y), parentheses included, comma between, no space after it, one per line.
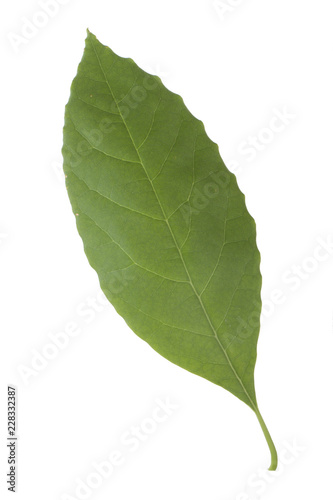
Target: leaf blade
(153,197)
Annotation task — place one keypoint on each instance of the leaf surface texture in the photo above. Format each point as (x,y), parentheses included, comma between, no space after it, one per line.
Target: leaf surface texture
(163,221)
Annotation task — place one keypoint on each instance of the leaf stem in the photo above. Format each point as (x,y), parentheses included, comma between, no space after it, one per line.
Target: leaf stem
(274,457)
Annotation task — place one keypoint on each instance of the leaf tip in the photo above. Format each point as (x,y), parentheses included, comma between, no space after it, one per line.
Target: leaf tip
(89,34)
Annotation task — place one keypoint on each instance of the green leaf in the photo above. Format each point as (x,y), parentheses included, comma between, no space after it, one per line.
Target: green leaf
(163,222)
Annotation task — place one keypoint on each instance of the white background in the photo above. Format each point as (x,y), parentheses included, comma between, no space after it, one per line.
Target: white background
(235,64)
